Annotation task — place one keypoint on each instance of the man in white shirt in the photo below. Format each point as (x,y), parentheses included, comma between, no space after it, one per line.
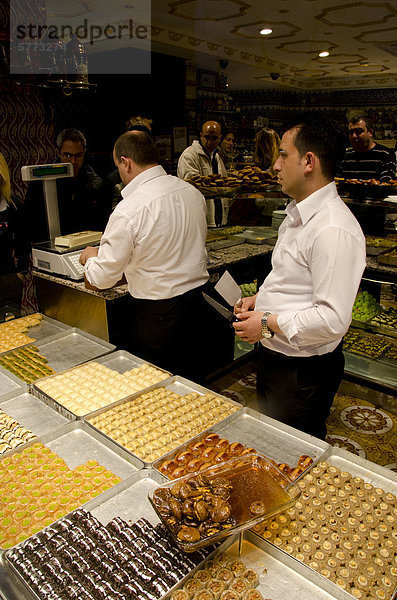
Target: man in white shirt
(156,238)
(202,157)
(303,308)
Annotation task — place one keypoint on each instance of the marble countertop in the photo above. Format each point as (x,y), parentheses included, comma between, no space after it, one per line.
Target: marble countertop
(216,260)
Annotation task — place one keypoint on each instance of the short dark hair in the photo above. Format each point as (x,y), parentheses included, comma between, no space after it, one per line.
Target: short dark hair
(367,120)
(322,136)
(71,134)
(139,146)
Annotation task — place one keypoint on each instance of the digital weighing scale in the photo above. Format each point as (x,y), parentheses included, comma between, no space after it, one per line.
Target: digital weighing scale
(47,256)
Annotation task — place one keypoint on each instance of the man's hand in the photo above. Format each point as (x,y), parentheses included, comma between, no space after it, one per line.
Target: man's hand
(249,327)
(245,304)
(87,253)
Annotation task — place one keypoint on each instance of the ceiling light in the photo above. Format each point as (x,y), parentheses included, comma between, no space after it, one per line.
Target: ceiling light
(323,54)
(266,31)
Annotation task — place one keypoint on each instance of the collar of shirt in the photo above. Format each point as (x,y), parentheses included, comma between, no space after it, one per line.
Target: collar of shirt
(142,178)
(302,212)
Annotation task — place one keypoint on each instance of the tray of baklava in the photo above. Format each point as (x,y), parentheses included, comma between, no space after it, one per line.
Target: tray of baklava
(248,431)
(48,477)
(23,417)
(152,423)
(54,354)
(96,384)
(343,528)
(29,329)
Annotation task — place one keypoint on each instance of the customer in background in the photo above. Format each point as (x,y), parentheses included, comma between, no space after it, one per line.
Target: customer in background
(303,308)
(267,143)
(366,159)
(156,238)
(226,148)
(202,157)
(84,200)
(14,249)
(137,123)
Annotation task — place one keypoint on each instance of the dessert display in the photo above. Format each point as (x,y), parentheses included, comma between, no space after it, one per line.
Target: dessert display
(365,307)
(26,363)
(201,508)
(37,488)
(12,434)
(222,577)
(350,338)
(386,318)
(159,421)
(370,346)
(250,175)
(249,289)
(79,558)
(391,352)
(210,450)
(12,333)
(91,386)
(342,527)
(378,242)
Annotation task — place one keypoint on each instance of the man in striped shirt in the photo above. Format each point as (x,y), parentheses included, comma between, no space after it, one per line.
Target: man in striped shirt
(366,159)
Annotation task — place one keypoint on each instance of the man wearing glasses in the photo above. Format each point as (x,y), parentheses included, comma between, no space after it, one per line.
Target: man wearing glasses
(84,201)
(202,158)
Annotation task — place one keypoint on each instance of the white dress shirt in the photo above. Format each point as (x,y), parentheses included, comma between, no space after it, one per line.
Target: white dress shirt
(317,265)
(156,237)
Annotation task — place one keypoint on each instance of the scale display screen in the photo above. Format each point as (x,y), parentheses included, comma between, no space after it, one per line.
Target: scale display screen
(41,171)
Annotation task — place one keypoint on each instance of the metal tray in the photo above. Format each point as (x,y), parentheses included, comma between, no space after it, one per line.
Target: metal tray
(127,500)
(10,384)
(276,580)
(77,442)
(32,413)
(47,328)
(359,467)
(119,361)
(268,436)
(175,384)
(72,347)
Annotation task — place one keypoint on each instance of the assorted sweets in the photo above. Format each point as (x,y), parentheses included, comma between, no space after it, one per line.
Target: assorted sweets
(370,345)
(342,527)
(12,434)
(386,318)
(79,558)
(91,386)
(365,307)
(207,506)
(159,421)
(248,176)
(37,488)
(222,578)
(26,363)
(211,450)
(379,242)
(12,333)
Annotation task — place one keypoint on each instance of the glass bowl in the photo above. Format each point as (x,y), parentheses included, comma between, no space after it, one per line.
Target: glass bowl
(200,509)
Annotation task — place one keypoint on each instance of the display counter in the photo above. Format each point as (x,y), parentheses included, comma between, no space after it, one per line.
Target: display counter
(335,541)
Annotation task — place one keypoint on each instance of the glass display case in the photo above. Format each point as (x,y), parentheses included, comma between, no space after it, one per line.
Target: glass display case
(370,346)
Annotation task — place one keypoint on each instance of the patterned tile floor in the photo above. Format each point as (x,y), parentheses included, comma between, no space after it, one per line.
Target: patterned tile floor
(357,422)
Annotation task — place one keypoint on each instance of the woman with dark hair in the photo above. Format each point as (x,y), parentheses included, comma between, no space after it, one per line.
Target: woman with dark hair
(226,146)
(14,249)
(267,143)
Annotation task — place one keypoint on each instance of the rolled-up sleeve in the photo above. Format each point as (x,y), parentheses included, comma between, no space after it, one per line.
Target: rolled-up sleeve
(336,264)
(115,252)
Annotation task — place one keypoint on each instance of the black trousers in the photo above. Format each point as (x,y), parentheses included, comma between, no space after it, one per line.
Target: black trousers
(182,334)
(299,391)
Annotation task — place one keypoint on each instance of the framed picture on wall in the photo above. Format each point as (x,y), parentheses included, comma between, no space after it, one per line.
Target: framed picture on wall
(180,139)
(164,145)
(208,80)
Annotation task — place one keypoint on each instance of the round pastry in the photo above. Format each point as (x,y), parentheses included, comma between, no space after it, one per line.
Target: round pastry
(192,586)
(229,595)
(216,586)
(204,595)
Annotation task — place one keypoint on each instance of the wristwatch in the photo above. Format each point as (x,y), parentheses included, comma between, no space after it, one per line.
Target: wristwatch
(266,333)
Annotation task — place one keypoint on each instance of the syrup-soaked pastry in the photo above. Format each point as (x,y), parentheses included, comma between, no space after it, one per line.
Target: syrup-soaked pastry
(204,595)
(237,568)
(216,586)
(253,595)
(180,595)
(193,585)
(240,585)
(229,595)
